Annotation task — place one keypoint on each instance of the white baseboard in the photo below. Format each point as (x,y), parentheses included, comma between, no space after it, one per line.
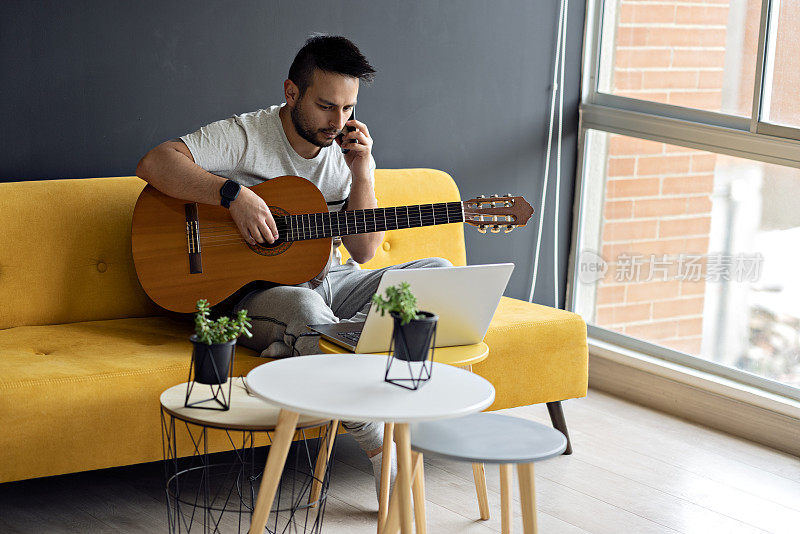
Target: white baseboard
(706,399)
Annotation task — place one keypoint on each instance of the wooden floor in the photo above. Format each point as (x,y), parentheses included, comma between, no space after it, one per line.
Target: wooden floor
(633,471)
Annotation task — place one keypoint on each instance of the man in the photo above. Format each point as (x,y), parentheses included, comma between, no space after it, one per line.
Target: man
(301,138)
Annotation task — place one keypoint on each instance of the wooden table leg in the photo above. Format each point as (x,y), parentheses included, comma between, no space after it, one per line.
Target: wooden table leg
(278,450)
(479,475)
(402,485)
(392,524)
(527,497)
(418,491)
(386,473)
(505,498)
(324,453)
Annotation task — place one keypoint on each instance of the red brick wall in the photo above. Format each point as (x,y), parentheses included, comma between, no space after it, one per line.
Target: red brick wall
(657,203)
(672,52)
(657,196)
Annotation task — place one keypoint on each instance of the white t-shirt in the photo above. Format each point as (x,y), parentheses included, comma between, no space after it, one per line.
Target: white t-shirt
(252,147)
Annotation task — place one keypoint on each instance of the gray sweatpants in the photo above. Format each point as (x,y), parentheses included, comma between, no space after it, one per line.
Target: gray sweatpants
(279,316)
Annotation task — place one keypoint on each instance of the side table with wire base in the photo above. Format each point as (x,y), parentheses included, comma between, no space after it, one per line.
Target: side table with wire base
(216,491)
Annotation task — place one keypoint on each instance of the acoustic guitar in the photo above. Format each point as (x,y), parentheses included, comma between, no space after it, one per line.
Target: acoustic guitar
(185,251)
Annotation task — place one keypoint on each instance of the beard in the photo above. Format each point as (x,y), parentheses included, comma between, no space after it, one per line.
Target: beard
(304,127)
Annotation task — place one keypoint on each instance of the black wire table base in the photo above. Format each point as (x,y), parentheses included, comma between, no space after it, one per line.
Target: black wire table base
(216,492)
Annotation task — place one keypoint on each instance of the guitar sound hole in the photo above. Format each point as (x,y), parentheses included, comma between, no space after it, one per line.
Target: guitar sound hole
(278,242)
(266,249)
(279,246)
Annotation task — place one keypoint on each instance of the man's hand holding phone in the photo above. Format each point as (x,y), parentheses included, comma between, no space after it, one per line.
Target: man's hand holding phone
(347,128)
(357,143)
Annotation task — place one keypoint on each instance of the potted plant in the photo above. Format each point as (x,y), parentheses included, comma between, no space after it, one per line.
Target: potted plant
(413,333)
(214,343)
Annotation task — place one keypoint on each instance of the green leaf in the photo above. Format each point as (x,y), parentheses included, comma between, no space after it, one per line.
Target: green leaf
(400,300)
(222,330)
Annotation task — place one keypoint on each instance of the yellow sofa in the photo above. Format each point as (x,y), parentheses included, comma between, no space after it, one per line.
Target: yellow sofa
(84,354)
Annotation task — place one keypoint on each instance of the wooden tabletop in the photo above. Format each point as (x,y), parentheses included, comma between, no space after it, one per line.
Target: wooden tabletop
(246,412)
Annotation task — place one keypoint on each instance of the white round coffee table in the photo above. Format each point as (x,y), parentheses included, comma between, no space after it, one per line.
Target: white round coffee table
(351,387)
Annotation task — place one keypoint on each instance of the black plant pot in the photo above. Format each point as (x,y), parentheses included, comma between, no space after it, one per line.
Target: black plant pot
(211,362)
(411,350)
(412,341)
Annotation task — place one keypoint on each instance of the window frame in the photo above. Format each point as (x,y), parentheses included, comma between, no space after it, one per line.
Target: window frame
(743,137)
(767,36)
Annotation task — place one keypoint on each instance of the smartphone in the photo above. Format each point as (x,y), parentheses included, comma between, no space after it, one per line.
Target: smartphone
(349,129)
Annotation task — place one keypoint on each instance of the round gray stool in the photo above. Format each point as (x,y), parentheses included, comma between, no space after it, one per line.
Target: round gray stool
(494,439)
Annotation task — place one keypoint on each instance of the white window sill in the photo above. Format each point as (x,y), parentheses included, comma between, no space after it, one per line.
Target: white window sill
(708,399)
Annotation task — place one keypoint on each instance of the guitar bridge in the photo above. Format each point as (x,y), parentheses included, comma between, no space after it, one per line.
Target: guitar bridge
(193,238)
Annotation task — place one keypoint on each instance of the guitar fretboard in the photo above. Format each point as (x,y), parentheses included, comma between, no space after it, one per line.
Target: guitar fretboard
(338,223)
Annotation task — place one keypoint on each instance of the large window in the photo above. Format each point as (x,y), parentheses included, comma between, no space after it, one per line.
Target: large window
(688,219)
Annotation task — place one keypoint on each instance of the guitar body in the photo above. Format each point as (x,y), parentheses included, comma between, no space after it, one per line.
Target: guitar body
(225,263)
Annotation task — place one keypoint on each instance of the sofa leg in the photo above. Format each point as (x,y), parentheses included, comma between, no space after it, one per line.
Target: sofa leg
(559,423)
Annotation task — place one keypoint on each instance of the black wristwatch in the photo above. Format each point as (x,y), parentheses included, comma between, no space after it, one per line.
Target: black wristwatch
(229,192)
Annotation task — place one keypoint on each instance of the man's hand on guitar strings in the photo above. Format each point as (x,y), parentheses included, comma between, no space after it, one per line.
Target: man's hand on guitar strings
(253,218)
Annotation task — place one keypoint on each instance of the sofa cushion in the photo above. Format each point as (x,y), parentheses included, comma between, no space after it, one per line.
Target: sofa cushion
(86,394)
(66,255)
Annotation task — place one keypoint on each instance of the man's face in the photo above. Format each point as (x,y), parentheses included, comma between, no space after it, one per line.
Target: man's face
(319,115)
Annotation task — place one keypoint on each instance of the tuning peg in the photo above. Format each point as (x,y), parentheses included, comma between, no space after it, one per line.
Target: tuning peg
(481,196)
(508,194)
(508,228)
(495,229)
(482,228)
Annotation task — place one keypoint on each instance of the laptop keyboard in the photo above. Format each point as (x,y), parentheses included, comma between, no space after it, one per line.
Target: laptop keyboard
(351,336)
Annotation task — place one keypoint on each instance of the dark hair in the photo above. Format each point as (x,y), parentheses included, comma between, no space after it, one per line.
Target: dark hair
(331,53)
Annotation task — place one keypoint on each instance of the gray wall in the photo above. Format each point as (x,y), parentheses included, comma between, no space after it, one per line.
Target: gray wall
(462,86)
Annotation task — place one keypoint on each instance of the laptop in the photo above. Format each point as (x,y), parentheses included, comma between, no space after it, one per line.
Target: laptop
(465,299)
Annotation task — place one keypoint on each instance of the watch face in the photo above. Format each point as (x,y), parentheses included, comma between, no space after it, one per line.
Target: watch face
(230,190)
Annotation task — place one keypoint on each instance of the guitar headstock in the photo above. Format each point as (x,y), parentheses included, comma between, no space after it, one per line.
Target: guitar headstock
(496,212)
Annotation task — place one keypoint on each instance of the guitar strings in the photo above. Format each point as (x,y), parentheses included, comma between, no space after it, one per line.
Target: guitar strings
(221,234)
(232,229)
(238,239)
(226,234)
(216,237)
(305,229)
(282,221)
(430,209)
